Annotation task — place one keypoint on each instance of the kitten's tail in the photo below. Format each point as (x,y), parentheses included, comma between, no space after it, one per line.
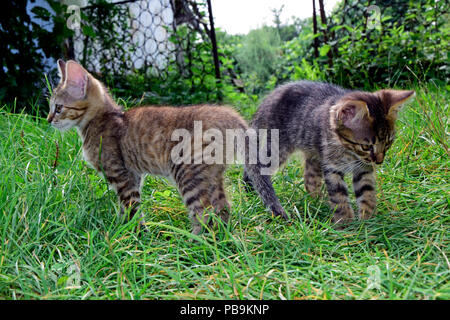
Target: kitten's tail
(263,185)
(254,178)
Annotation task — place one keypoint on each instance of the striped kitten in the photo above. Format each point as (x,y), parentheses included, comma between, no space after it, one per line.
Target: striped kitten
(339,131)
(125,146)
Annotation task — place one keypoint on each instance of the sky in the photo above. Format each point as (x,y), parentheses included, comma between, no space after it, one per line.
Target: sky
(241,16)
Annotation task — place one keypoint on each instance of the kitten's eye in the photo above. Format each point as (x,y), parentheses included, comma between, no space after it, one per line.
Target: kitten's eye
(366,147)
(58,108)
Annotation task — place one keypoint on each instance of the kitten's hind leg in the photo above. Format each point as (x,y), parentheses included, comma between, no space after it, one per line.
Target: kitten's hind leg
(219,201)
(194,182)
(313,174)
(248,182)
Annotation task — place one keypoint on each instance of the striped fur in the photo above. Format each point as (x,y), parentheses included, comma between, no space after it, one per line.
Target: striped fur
(339,132)
(125,146)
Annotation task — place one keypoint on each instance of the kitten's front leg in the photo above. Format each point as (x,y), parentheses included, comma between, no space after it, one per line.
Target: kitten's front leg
(338,194)
(364,187)
(127,186)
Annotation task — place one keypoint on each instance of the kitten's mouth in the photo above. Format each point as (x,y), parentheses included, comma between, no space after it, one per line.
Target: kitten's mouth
(372,162)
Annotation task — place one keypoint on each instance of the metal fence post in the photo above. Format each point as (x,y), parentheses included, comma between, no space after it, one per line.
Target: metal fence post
(214,49)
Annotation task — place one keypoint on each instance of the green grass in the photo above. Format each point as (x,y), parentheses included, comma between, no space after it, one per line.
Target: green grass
(58,219)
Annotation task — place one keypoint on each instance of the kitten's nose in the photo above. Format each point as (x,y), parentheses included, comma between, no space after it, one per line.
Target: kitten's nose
(380,158)
(50,117)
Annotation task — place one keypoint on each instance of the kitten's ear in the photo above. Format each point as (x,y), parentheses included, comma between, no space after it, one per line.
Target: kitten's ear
(352,112)
(61,70)
(394,100)
(76,80)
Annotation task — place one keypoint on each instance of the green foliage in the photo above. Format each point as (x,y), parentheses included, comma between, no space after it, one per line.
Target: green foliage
(408,42)
(287,31)
(189,74)
(412,40)
(24,46)
(409,39)
(189,78)
(257,55)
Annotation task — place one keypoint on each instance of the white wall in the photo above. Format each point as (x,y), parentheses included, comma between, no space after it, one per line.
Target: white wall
(148,20)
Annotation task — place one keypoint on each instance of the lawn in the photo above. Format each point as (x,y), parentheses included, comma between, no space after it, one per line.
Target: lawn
(62,237)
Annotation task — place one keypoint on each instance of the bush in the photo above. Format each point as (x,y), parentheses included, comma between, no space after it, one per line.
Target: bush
(258,55)
(409,43)
(25,46)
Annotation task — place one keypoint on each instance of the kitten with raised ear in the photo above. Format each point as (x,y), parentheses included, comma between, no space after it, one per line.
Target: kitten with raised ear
(124,146)
(339,131)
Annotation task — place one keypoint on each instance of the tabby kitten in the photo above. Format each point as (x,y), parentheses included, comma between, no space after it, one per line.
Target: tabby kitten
(124,146)
(339,131)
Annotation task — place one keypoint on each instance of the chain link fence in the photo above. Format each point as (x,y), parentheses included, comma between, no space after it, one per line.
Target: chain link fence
(124,36)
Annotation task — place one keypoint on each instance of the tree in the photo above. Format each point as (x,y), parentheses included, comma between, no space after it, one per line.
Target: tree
(323,19)
(259,52)
(315,41)
(276,17)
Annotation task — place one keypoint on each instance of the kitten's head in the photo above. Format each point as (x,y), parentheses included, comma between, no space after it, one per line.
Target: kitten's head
(365,122)
(73,101)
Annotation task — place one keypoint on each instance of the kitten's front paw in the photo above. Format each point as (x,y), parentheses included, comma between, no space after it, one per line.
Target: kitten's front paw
(314,190)
(142,227)
(341,223)
(367,206)
(316,193)
(342,217)
(365,215)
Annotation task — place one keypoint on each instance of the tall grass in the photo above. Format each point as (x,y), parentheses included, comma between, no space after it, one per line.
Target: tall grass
(62,236)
